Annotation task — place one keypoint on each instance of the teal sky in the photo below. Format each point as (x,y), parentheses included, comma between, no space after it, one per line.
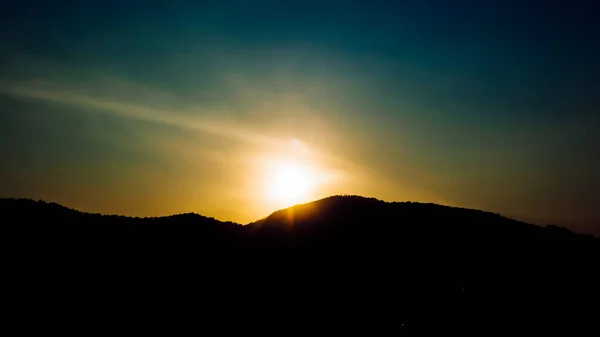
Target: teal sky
(130,108)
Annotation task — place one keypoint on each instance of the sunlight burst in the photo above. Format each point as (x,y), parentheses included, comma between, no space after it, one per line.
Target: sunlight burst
(290,183)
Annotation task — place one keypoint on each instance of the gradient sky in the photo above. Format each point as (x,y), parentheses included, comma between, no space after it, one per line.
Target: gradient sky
(147,108)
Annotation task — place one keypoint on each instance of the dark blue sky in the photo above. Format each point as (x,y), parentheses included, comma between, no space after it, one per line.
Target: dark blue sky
(485,104)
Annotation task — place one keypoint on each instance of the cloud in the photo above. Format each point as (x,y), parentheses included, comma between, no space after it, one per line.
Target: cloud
(195,122)
(108,96)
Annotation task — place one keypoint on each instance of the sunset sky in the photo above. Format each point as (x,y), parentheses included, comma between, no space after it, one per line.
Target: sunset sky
(152,108)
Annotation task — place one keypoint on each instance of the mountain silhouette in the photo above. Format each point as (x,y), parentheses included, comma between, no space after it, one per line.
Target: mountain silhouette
(348,255)
(353,219)
(338,221)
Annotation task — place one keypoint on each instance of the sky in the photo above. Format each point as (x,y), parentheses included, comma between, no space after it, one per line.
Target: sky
(154,108)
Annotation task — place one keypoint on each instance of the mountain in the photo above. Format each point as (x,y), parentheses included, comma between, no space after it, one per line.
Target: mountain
(348,233)
(350,255)
(350,220)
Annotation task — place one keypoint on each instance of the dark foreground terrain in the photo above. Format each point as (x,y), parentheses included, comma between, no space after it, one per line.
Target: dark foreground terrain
(344,263)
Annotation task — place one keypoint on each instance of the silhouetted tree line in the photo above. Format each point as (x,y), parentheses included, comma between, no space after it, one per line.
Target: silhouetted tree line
(358,258)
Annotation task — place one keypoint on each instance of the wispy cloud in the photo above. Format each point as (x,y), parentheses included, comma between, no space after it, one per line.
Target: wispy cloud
(108,97)
(194,122)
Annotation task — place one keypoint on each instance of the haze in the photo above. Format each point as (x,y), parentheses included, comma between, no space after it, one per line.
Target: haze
(234,109)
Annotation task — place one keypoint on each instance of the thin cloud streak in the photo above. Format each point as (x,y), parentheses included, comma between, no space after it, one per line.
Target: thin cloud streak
(143,113)
(191,118)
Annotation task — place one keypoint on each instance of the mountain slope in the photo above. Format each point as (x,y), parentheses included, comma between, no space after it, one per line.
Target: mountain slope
(370,234)
(342,261)
(343,220)
(348,218)
(347,231)
(52,224)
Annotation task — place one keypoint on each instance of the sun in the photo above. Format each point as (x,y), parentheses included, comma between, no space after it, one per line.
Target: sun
(290,183)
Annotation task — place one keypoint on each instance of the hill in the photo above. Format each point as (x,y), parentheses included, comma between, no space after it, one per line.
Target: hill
(352,219)
(347,253)
(351,222)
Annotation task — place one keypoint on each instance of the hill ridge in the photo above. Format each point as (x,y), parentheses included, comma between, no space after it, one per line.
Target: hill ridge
(6,204)
(349,252)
